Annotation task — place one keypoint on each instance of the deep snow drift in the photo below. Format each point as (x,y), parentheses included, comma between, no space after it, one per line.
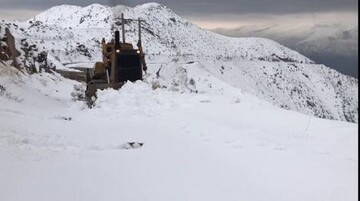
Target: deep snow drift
(217,144)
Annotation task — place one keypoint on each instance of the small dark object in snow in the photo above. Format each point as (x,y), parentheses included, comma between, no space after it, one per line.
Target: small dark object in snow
(131,145)
(66,118)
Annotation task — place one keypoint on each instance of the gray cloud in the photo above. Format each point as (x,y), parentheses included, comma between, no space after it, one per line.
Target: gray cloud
(201,7)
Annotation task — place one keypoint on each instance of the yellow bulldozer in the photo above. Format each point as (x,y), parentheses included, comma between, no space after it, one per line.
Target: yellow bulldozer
(121,63)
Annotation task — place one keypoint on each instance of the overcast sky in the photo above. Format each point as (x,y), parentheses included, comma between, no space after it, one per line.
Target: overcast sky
(214,13)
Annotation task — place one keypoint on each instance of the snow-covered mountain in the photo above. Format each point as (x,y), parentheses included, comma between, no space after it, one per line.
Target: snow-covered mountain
(335,39)
(333,44)
(185,53)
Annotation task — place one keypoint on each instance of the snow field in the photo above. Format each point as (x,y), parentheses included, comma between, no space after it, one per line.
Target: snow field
(220,144)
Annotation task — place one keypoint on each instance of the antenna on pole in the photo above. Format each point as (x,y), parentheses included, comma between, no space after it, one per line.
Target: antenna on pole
(142,56)
(123,27)
(139,30)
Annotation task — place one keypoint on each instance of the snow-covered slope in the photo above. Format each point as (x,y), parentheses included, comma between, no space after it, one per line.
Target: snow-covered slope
(256,65)
(221,144)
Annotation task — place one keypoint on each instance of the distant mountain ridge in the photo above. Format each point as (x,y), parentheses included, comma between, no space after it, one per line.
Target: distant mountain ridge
(71,34)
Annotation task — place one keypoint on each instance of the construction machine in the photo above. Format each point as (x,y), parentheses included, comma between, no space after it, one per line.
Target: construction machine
(121,63)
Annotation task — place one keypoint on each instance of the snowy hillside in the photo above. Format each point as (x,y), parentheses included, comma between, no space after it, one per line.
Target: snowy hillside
(262,67)
(220,144)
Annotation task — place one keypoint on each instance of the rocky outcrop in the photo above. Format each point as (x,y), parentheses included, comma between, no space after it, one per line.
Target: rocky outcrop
(8,49)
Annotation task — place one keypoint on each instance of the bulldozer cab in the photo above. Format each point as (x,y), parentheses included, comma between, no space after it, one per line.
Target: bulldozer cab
(129,66)
(122,61)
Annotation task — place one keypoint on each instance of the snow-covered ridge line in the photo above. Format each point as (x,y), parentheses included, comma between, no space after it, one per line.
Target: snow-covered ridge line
(99,16)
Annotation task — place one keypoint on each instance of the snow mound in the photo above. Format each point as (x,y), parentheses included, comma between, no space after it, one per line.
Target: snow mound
(139,99)
(31,89)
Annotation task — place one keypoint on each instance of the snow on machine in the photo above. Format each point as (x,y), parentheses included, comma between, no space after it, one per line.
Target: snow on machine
(121,63)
